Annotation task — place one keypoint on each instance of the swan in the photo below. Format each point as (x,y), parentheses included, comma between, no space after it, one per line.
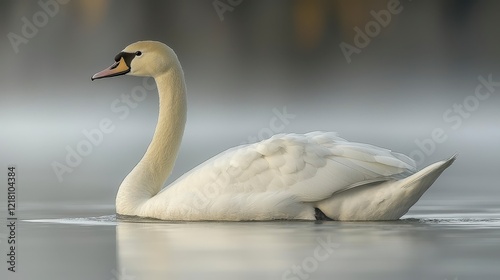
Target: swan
(312,176)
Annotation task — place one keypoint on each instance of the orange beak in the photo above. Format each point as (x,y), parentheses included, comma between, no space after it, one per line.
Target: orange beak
(118,68)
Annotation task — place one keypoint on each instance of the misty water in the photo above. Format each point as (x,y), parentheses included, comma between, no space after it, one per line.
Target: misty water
(435,240)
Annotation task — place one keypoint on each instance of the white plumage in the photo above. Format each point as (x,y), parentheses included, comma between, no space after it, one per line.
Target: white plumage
(289,176)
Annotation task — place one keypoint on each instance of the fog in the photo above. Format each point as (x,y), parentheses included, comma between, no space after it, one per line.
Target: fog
(417,77)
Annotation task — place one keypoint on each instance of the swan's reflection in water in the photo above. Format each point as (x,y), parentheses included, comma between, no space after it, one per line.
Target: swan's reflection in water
(410,249)
(461,246)
(200,250)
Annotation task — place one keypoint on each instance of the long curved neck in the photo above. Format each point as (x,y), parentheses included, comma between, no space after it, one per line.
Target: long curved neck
(148,176)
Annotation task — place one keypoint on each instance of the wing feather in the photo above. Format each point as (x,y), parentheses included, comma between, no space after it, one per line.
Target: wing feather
(308,168)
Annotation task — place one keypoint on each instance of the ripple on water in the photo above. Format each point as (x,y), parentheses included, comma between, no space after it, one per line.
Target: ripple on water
(114,219)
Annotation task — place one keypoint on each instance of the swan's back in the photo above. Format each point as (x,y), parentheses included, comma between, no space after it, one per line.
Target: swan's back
(283,177)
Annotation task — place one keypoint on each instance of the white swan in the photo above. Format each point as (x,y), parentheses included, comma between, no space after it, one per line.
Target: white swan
(289,176)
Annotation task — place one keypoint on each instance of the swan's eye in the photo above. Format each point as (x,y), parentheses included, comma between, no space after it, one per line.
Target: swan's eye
(138,53)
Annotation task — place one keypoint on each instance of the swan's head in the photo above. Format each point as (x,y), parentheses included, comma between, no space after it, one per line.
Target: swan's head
(143,58)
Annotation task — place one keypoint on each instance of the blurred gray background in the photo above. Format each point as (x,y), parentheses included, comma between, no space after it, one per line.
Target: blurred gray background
(417,74)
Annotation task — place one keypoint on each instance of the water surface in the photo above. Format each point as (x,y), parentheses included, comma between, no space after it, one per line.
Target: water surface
(433,241)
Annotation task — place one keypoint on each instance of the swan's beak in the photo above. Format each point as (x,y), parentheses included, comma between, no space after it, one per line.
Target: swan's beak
(118,68)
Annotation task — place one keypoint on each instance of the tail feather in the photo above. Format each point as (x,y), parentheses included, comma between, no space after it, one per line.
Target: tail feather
(388,200)
(423,179)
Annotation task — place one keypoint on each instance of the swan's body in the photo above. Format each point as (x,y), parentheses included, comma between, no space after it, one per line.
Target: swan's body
(310,176)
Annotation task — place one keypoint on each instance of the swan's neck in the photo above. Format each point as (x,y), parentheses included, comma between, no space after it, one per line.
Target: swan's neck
(149,175)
